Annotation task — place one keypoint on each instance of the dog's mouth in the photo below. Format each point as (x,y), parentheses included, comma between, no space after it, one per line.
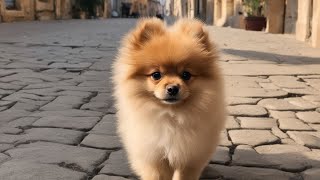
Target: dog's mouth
(170,100)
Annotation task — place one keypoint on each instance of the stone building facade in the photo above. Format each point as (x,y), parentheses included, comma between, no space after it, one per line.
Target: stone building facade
(22,10)
(299,17)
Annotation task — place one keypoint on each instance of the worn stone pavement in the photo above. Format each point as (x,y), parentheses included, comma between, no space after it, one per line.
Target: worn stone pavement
(57,116)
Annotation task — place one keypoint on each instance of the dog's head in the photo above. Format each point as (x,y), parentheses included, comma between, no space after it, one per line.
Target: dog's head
(170,66)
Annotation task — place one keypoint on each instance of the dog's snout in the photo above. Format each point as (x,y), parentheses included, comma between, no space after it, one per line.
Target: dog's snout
(172,90)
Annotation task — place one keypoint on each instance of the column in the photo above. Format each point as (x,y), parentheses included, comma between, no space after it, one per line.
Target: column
(275,15)
(303,22)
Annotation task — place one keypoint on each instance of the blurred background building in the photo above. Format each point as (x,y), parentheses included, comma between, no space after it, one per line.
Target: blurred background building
(298,17)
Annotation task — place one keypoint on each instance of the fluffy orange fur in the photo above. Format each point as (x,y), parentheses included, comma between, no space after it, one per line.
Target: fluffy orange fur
(168,140)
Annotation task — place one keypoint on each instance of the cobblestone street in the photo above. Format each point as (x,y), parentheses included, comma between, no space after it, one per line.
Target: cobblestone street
(57,119)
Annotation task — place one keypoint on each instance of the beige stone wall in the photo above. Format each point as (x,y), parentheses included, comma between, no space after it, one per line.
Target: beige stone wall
(25,11)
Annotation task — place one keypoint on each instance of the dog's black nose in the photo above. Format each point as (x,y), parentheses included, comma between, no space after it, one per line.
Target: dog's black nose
(172,90)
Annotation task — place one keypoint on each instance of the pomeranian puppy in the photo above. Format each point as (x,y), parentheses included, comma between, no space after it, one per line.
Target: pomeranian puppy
(169,97)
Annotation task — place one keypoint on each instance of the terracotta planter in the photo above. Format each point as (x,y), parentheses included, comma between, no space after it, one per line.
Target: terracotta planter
(255,23)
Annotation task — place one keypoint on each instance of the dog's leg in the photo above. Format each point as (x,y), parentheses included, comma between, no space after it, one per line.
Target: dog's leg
(188,173)
(160,171)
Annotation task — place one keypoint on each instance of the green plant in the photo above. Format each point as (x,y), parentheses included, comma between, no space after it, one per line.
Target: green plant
(253,7)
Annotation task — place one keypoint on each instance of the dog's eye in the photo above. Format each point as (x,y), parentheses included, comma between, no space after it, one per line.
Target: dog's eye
(186,75)
(156,75)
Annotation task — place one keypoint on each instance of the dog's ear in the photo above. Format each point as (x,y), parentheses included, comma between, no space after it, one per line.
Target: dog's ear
(194,28)
(146,29)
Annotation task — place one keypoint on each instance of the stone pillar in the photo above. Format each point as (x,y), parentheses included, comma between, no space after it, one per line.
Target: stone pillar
(209,12)
(291,16)
(315,39)
(303,22)
(275,15)
(223,9)
(191,11)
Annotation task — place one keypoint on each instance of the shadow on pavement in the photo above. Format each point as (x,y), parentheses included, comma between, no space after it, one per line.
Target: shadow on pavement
(273,57)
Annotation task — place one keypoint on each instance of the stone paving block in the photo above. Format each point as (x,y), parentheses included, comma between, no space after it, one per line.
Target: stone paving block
(106,177)
(231,123)
(245,155)
(11,139)
(256,93)
(307,139)
(292,124)
(22,122)
(4,147)
(52,153)
(106,126)
(252,137)
(6,103)
(309,117)
(102,97)
(94,83)
(221,156)
(6,92)
(9,86)
(298,101)
(281,105)
(26,106)
(96,106)
(276,131)
(58,107)
(117,164)
(10,130)
(3,158)
(68,100)
(282,114)
(20,170)
(49,85)
(81,123)
(3,107)
(290,157)
(70,66)
(247,110)
(311,174)
(313,98)
(281,149)
(257,123)
(235,172)
(9,115)
(314,83)
(17,97)
(241,81)
(82,94)
(304,91)
(64,136)
(269,86)
(210,173)
(224,141)
(287,82)
(102,141)
(315,126)
(242,100)
(68,113)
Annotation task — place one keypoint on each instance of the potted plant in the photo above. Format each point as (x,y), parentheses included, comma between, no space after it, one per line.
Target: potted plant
(254,18)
